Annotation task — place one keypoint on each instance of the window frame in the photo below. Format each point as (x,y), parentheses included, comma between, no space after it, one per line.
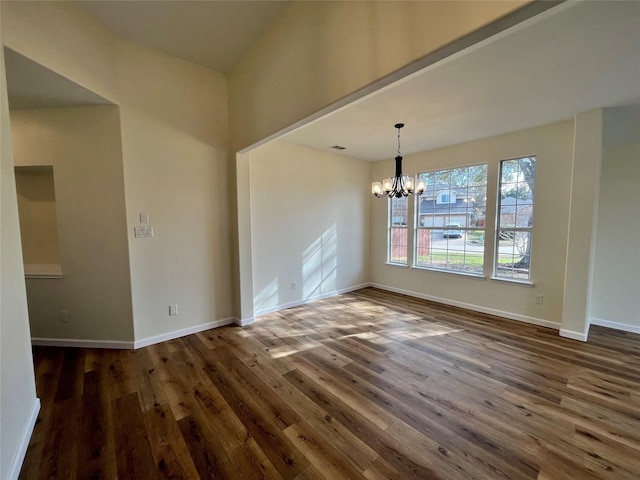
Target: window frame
(504,230)
(469,212)
(390,231)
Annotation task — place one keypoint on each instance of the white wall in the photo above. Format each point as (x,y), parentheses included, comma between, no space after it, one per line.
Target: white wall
(83,145)
(174,130)
(615,297)
(309,224)
(553,147)
(317,53)
(18,403)
(175,146)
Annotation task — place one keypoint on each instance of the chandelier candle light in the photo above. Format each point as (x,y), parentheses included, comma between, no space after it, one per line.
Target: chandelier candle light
(400,185)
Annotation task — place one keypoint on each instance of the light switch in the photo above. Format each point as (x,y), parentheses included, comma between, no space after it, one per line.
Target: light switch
(143,232)
(144,217)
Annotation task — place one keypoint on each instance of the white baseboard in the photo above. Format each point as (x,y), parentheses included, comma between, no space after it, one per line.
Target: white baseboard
(468,306)
(145,342)
(615,325)
(315,298)
(573,335)
(245,321)
(16,465)
(124,345)
(81,343)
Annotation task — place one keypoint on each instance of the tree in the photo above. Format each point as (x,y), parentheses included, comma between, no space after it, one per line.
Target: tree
(518,177)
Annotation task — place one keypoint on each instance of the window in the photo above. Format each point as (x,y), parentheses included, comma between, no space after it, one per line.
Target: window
(450,220)
(447,197)
(398,214)
(515,218)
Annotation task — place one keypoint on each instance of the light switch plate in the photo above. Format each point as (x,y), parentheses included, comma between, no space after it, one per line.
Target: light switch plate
(143,231)
(144,217)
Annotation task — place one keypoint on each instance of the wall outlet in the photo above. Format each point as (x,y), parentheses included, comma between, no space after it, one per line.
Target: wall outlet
(294,285)
(64,316)
(143,232)
(173,310)
(539,299)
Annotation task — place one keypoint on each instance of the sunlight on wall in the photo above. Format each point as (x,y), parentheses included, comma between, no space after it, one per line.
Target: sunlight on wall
(319,264)
(268,296)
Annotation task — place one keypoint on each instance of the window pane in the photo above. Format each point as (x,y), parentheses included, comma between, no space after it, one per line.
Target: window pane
(513,254)
(450,220)
(398,211)
(398,253)
(515,218)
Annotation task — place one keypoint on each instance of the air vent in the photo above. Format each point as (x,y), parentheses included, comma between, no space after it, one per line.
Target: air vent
(338,147)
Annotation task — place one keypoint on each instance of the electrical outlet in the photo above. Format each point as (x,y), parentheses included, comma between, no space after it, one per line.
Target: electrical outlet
(143,232)
(539,299)
(173,310)
(64,316)
(294,285)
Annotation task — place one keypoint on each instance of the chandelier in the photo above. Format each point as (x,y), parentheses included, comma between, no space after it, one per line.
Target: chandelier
(400,185)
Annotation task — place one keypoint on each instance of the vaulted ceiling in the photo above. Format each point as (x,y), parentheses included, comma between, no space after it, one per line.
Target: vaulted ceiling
(571,58)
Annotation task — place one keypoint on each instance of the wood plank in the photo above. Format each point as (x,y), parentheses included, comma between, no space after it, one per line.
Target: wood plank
(210,462)
(70,380)
(147,380)
(264,425)
(96,453)
(356,451)
(321,454)
(133,455)
(61,446)
(170,452)
(386,445)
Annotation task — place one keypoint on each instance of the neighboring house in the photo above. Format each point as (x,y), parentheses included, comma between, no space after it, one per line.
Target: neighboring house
(516,212)
(441,205)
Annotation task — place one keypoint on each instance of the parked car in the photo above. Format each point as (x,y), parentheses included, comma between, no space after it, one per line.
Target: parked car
(452,231)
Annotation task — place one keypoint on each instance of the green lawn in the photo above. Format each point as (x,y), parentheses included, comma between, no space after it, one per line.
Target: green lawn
(468,259)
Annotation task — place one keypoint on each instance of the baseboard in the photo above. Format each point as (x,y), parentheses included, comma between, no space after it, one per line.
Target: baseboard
(145,342)
(468,306)
(245,321)
(16,466)
(81,343)
(582,337)
(615,325)
(315,298)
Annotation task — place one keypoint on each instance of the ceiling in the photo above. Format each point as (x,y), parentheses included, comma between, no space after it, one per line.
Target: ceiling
(214,34)
(30,85)
(572,58)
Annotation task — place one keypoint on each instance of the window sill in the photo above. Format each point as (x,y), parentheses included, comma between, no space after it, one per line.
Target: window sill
(451,272)
(42,270)
(524,283)
(403,265)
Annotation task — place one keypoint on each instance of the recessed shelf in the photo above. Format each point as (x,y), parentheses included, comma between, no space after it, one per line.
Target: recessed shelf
(42,270)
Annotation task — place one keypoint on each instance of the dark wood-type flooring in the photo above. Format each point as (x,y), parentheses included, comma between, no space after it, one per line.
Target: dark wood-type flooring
(363,385)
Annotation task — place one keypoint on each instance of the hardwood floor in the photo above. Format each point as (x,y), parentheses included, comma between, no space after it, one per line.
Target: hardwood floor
(364,385)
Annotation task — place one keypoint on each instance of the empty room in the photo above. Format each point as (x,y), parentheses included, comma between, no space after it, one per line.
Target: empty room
(320,240)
